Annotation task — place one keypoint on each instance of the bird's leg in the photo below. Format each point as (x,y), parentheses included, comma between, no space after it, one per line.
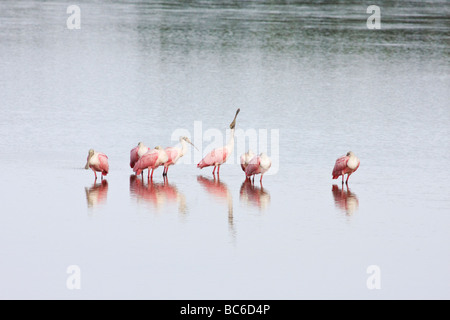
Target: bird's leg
(260,180)
(214,170)
(152,174)
(346,181)
(218,169)
(343,174)
(95,173)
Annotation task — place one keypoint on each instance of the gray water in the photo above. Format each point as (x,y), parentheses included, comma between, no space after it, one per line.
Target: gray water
(139,71)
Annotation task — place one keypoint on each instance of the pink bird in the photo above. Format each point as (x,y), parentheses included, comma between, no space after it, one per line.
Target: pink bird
(98,162)
(220,155)
(345,165)
(136,153)
(245,159)
(175,153)
(152,159)
(258,165)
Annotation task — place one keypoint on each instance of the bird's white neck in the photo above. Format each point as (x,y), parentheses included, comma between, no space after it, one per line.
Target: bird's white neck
(352,162)
(183,147)
(142,150)
(230,144)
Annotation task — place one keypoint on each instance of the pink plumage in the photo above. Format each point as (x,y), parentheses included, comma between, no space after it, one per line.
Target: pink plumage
(345,165)
(104,165)
(220,155)
(98,162)
(136,153)
(147,161)
(214,158)
(340,167)
(134,157)
(253,167)
(172,154)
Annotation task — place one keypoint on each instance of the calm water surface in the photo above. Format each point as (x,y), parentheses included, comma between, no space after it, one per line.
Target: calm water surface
(141,71)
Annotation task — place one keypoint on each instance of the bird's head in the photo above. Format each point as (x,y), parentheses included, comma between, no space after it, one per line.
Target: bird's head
(90,154)
(188,141)
(233,123)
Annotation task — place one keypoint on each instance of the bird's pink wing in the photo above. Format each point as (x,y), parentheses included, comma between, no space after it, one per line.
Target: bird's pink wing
(339,166)
(134,157)
(243,164)
(253,166)
(146,161)
(104,166)
(172,153)
(215,156)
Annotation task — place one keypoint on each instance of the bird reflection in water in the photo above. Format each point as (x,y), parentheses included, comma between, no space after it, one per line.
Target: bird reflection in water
(96,194)
(345,200)
(157,194)
(254,196)
(219,190)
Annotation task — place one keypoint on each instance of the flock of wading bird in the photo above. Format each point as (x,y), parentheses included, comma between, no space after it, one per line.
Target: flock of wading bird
(142,158)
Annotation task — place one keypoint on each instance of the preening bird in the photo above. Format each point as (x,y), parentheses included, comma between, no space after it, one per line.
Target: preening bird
(152,159)
(258,165)
(245,159)
(137,152)
(345,165)
(220,155)
(98,162)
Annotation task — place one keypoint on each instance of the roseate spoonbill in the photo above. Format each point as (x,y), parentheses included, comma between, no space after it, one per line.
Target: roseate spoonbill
(175,153)
(137,152)
(245,159)
(258,165)
(345,165)
(97,161)
(220,155)
(152,159)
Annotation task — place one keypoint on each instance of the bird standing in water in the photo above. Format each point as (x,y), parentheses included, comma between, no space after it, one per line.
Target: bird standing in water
(151,160)
(258,165)
(220,155)
(345,165)
(98,162)
(175,153)
(245,160)
(137,152)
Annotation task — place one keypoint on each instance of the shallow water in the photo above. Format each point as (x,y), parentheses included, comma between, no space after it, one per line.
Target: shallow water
(148,71)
